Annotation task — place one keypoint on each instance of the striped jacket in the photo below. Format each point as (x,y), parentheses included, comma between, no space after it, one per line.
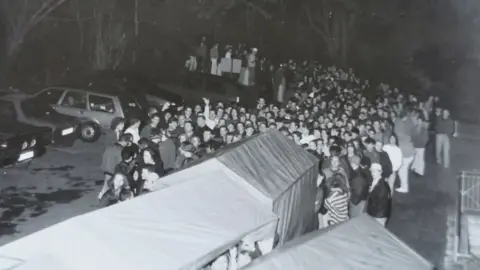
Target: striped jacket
(337,207)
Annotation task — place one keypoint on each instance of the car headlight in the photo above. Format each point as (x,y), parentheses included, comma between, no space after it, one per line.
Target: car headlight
(3,145)
(33,143)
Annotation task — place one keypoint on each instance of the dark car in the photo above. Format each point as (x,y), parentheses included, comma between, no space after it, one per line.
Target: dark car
(19,142)
(64,129)
(217,88)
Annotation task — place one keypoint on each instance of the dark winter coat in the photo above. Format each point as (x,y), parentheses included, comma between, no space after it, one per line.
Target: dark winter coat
(379,202)
(111,158)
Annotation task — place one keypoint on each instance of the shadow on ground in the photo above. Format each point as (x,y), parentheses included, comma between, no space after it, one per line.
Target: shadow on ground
(20,204)
(15,203)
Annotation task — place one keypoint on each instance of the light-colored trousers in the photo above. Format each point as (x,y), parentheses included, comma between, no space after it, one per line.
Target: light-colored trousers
(403,172)
(281,91)
(442,147)
(418,164)
(214,70)
(191,63)
(391,181)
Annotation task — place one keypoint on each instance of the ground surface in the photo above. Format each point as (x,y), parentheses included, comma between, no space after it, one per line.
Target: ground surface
(419,218)
(64,183)
(61,184)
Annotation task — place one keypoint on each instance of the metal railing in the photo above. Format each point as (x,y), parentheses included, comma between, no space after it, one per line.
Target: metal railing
(468,202)
(470,192)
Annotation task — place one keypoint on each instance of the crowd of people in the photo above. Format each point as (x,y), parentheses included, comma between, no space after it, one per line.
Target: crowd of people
(365,138)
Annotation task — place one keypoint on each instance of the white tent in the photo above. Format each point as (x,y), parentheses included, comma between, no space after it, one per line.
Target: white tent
(272,168)
(39,263)
(181,227)
(360,244)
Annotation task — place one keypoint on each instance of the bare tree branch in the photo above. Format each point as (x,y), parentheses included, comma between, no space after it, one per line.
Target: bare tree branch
(21,24)
(315,28)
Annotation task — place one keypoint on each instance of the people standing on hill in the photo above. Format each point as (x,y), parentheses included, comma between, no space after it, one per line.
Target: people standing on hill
(214,58)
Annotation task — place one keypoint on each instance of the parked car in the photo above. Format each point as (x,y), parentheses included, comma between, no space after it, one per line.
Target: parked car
(148,92)
(64,129)
(216,88)
(95,109)
(143,90)
(19,142)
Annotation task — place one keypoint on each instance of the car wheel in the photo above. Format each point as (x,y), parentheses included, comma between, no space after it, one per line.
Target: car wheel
(90,132)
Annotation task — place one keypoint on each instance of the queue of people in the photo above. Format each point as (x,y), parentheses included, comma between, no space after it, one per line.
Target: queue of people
(364,140)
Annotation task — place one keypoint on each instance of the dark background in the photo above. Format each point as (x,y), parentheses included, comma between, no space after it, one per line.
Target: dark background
(426,47)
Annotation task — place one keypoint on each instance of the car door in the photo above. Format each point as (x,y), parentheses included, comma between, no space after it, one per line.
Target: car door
(73,103)
(102,109)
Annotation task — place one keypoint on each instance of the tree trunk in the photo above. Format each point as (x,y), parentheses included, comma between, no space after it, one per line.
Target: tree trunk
(4,60)
(134,59)
(343,42)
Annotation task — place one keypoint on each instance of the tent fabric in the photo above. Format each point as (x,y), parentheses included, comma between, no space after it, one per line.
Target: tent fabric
(360,243)
(278,168)
(40,263)
(269,161)
(296,208)
(207,168)
(181,227)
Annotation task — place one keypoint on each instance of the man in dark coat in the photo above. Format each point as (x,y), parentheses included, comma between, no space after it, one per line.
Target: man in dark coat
(379,202)
(168,153)
(358,188)
(112,157)
(384,160)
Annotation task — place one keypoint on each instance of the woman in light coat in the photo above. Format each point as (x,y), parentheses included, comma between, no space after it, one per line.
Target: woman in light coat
(396,158)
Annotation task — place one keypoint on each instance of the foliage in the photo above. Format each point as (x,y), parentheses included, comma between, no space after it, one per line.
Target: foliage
(21,16)
(208,9)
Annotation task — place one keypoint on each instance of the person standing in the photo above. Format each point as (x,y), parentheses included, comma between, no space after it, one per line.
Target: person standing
(384,160)
(244,77)
(445,128)
(420,139)
(252,62)
(396,158)
(403,129)
(379,202)
(280,84)
(358,188)
(133,129)
(111,158)
(336,202)
(201,54)
(214,58)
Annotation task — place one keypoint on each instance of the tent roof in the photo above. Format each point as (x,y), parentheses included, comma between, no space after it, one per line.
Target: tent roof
(269,161)
(362,242)
(39,263)
(181,227)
